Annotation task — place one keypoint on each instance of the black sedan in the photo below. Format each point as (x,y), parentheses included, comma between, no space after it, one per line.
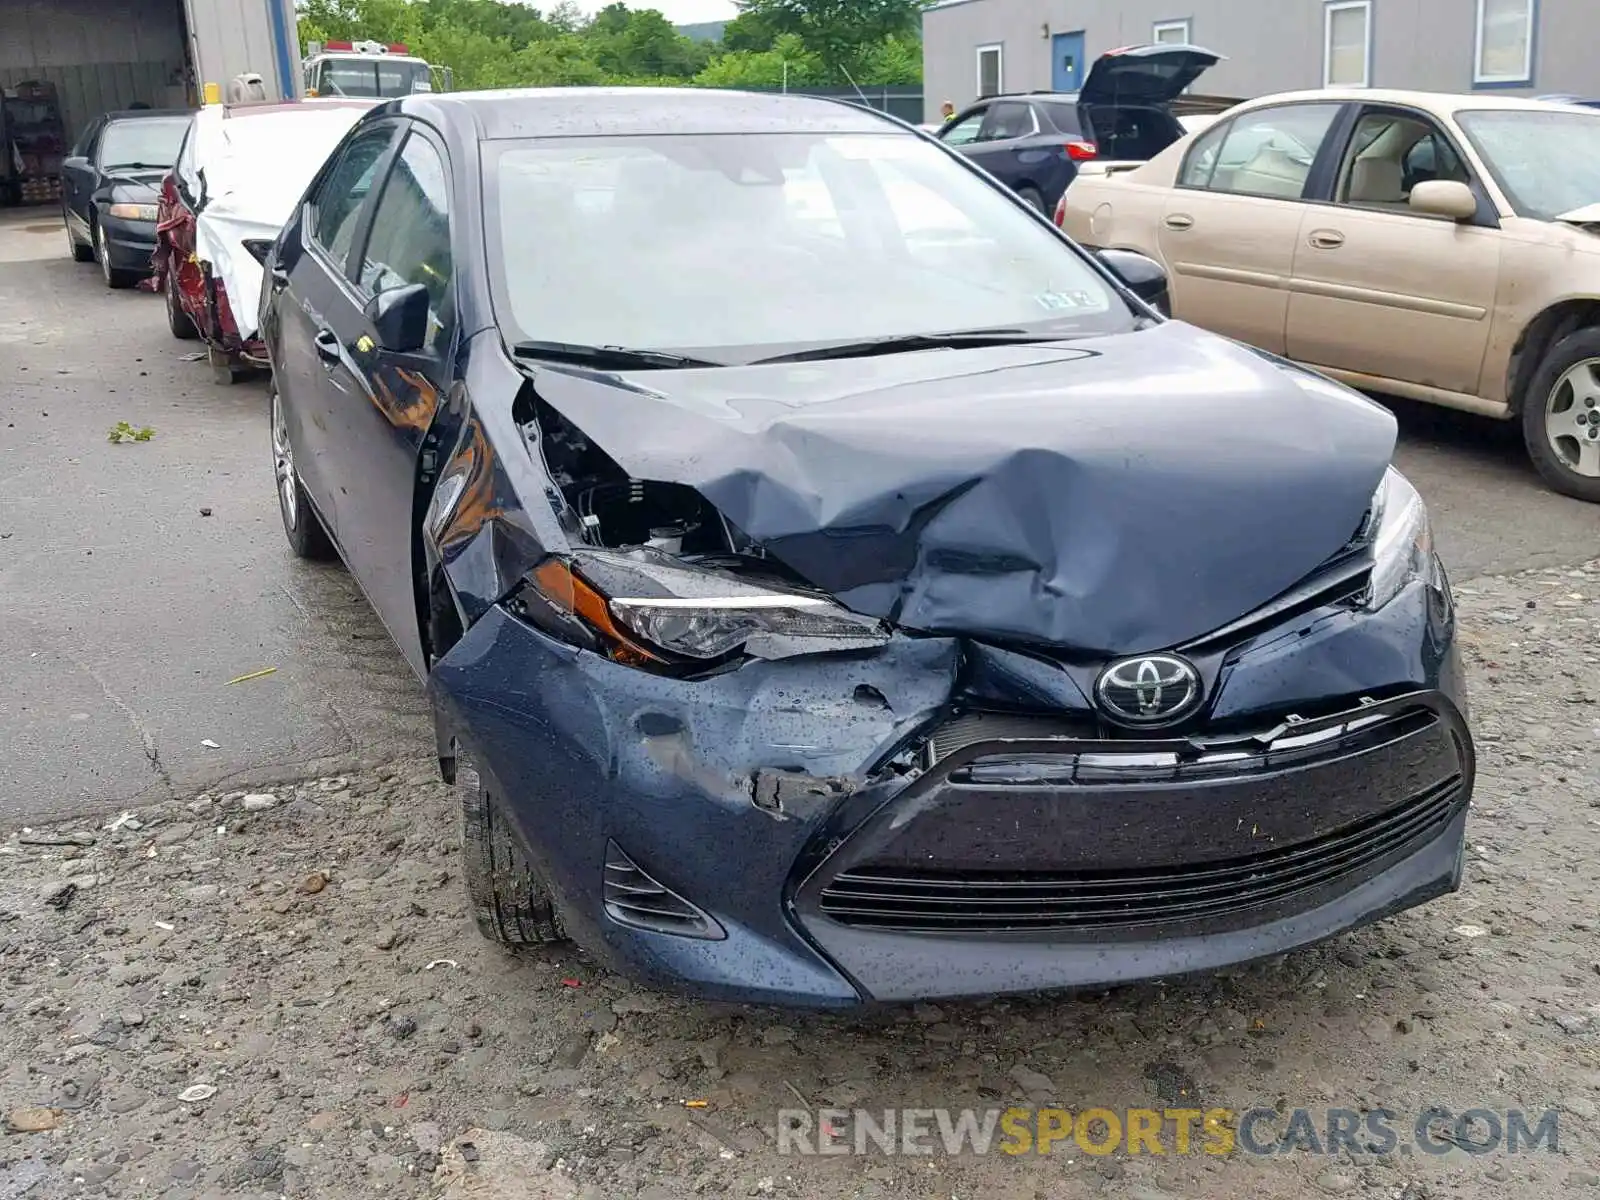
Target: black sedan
(110,189)
(832,584)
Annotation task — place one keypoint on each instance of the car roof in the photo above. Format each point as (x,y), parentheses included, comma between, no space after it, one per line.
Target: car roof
(139,114)
(1439,103)
(600,112)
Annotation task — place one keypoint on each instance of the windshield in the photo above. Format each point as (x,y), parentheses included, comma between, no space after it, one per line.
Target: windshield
(1547,163)
(145,142)
(373,77)
(741,247)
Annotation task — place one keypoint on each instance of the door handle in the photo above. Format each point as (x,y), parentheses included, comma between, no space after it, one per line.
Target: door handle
(1326,239)
(1179,221)
(327,344)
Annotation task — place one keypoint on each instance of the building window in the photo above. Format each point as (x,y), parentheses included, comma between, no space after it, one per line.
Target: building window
(1347,43)
(1175,33)
(1505,42)
(991,71)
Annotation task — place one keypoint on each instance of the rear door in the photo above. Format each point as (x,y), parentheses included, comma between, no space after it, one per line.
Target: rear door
(1002,143)
(1383,290)
(312,366)
(379,424)
(1232,222)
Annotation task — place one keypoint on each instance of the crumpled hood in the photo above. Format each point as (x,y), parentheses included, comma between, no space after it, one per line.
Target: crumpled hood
(1111,495)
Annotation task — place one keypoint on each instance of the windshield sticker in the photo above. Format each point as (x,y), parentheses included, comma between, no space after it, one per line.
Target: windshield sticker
(1062,301)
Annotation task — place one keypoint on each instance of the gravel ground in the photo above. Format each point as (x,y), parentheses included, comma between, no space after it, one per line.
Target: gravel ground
(281,994)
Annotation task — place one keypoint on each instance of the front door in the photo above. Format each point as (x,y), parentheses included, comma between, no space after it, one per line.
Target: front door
(382,422)
(1382,290)
(1066,63)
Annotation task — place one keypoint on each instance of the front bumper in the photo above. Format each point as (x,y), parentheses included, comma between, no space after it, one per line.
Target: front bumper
(129,243)
(797,805)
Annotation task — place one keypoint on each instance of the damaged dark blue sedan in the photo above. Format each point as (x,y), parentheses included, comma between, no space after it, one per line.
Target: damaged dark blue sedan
(835,586)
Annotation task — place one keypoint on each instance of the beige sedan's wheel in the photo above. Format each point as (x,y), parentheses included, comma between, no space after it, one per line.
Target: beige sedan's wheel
(1561,416)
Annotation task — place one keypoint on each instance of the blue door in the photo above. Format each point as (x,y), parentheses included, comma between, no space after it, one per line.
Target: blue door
(1066,72)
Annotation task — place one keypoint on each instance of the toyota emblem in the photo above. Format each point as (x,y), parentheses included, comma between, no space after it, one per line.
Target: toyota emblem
(1152,690)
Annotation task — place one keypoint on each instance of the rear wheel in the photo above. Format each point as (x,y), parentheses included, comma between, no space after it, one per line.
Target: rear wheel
(115,277)
(180,322)
(80,252)
(1032,198)
(509,903)
(301,525)
(1561,416)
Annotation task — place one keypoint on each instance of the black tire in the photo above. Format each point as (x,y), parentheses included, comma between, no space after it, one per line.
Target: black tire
(509,903)
(1566,453)
(307,536)
(1032,198)
(80,252)
(116,278)
(179,322)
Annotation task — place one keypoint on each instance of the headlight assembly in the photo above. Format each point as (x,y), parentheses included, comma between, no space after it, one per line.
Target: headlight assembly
(1402,540)
(645,607)
(134,212)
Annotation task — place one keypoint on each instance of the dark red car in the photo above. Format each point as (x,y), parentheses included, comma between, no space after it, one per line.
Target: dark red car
(197,300)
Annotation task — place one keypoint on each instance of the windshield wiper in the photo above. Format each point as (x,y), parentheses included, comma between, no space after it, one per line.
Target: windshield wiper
(621,357)
(138,166)
(906,343)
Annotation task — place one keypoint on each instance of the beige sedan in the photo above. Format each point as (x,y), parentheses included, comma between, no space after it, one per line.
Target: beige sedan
(1443,248)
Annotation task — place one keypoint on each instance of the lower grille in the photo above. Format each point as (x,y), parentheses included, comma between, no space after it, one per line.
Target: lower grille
(633,898)
(905,900)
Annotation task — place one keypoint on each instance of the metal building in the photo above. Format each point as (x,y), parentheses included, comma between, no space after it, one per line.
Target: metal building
(107,54)
(973,48)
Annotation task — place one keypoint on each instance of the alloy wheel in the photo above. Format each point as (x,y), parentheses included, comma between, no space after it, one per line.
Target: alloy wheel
(102,252)
(1572,418)
(283,465)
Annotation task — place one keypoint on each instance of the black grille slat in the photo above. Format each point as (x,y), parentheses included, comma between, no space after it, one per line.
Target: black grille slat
(969,903)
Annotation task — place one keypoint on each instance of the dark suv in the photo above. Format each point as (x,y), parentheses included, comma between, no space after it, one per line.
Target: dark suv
(1035,142)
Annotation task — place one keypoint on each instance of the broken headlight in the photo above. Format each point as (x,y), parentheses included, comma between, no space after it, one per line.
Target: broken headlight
(1402,540)
(644,606)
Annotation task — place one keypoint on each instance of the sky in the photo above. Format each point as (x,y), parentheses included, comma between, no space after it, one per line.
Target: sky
(679,12)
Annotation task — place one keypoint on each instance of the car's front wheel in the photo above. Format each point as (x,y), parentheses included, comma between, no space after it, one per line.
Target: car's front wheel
(1561,416)
(115,277)
(509,902)
(179,322)
(301,525)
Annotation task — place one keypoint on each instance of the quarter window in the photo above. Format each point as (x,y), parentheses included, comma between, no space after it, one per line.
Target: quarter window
(991,71)
(410,240)
(1504,42)
(337,205)
(1347,43)
(1268,152)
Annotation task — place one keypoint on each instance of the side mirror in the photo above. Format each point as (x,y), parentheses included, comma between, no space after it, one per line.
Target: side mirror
(1444,198)
(1145,277)
(76,162)
(400,316)
(260,249)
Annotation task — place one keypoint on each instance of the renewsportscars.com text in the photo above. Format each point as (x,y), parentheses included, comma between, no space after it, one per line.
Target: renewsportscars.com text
(1163,1131)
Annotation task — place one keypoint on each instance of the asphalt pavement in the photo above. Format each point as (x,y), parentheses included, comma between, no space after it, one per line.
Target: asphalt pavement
(139,580)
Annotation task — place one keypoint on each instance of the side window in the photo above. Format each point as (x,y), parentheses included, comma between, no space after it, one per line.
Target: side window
(85,146)
(336,208)
(965,130)
(1268,152)
(1389,154)
(1201,160)
(1007,121)
(410,240)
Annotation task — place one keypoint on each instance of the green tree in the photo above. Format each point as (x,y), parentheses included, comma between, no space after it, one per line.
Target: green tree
(844,34)
(788,63)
